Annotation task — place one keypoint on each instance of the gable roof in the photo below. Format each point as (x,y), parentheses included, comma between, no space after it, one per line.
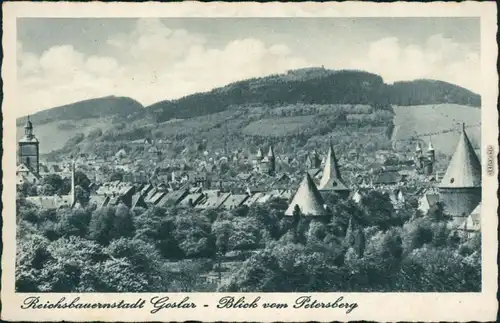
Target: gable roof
(464,169)
(308,199)
(213,202)
(193,198)
(234,200)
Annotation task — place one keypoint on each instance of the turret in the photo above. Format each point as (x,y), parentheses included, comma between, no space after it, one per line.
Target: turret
(28,129)
(272,161)
(460,188)
(430,152)
(331,179)
(28,148)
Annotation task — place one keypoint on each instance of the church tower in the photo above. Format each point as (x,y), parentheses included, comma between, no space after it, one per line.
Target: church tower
(460,188)
(419,157)
(272,161)
(431,158)
(331,179)
(28,148)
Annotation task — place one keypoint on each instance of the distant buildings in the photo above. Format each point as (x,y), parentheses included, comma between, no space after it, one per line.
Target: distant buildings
(201,182)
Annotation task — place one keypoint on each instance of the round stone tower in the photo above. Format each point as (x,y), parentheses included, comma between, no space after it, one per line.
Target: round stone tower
(460,188)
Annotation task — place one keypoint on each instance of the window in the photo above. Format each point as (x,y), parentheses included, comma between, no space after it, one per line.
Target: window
(452,180)
(29,150)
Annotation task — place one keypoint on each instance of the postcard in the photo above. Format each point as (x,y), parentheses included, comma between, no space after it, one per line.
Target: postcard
(249,162)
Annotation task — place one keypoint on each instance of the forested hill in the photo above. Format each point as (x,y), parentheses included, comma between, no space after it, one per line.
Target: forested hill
(303,86)
(424,92)
(94,108)
(314,86)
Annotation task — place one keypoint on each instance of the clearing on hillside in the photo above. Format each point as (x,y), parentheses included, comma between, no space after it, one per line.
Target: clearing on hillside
(411,121)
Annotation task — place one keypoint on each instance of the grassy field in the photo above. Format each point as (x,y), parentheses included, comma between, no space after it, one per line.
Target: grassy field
(54,135)
(419,120)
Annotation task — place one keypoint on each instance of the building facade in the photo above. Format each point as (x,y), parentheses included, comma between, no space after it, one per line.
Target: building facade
(28,149)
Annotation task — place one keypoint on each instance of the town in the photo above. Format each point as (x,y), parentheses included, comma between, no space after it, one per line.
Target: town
(231,179)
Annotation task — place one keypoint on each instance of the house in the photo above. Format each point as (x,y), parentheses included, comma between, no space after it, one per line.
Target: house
(244,177)
(98,200)
(24,174)
(388,178)
(427,201)
(253,199)
(234,201)
(174,197)
(472,225)
(51,202)
(154,197)
(192,200)
(138,200)
(213,202)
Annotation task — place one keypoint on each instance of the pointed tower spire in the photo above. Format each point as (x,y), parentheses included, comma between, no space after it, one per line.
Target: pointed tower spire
(418,148)
(308,199)
(431,147)
(259,153)
(464,169)
(270,153)
(331,179)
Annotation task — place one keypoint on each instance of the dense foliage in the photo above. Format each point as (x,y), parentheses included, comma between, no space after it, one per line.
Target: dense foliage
(361,247)
(93,108)
(422,92)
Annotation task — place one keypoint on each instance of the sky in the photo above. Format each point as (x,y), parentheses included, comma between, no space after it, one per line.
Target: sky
(64,60)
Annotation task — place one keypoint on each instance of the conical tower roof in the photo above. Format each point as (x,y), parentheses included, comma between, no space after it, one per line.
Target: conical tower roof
(464,169)
(308,199)
(270,153)
(259,153)
(431,147)
(331,179)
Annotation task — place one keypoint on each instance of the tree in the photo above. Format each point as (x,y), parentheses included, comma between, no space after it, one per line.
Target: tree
(82,180)
(378,209)
(82,196)
(437,213)
(46,190)
(111,223)
(55,184)
(31,255)
(73,222)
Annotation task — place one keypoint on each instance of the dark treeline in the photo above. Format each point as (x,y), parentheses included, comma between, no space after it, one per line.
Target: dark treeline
(424,92)
(359,248)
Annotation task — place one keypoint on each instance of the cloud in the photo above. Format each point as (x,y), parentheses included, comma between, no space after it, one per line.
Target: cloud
(438,58)
(152,63)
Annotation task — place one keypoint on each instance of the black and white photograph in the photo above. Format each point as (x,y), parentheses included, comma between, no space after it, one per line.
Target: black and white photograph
(250,155)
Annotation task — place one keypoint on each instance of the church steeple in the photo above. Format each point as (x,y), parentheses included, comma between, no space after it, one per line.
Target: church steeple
(28,148)
(28,129)
(331,179)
